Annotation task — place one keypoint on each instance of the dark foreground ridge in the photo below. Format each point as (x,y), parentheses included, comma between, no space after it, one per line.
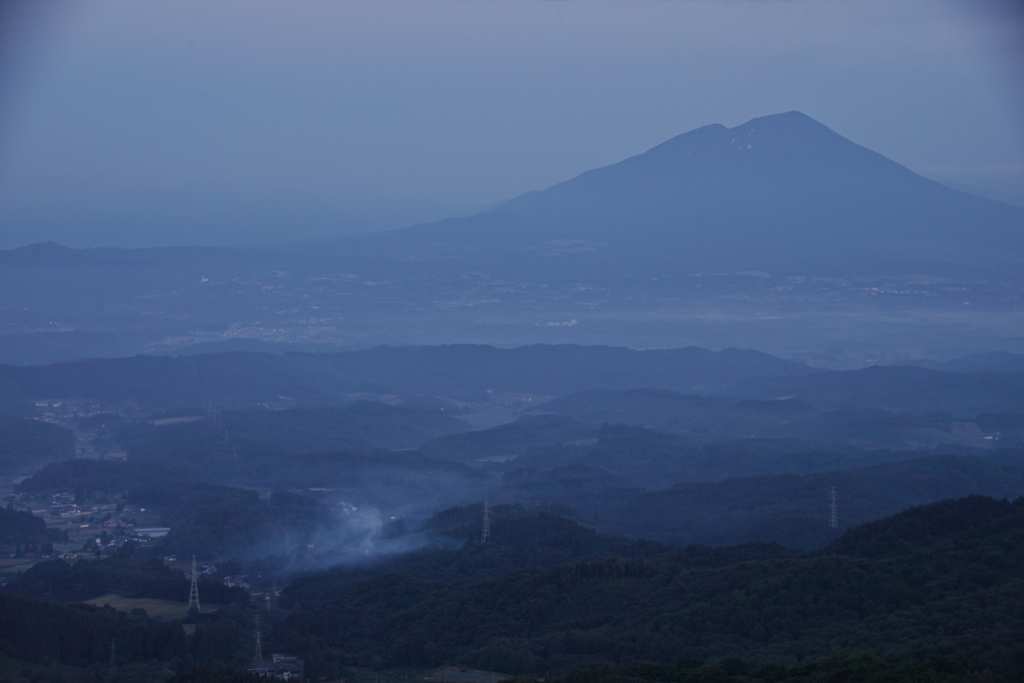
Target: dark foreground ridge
(939,580)
(938,588)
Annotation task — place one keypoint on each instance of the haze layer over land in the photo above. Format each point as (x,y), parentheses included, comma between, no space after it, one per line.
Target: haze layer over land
(779,234)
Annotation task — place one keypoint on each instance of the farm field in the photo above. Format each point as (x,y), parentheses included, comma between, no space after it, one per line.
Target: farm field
(153,606)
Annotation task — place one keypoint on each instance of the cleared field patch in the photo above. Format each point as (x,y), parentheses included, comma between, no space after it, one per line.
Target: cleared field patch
(154,607)
(13,565)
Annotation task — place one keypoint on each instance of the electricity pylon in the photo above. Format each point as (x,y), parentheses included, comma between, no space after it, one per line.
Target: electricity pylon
(259,641)
(193,594)
(486,533)
(112,667)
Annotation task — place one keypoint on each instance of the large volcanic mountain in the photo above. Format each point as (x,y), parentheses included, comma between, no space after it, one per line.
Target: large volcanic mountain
(777,191)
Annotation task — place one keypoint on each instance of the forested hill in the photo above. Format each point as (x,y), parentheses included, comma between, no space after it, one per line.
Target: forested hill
(25,444)
(849,396)
(519,539)
(615,384)
(77,635)
(363,425)
(972,521)
(900,389)
(455,371)
(943,579)
(793,509)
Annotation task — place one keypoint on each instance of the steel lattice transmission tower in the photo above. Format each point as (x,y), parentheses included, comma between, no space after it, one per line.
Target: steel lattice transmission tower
(259,641)
(112,667)
(833,518)
(193,594)
(486,533)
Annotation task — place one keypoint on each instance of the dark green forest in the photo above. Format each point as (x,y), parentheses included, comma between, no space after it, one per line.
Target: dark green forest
(362,426)
(863,415)
(124,575)
(840,668)
(529,431)
(461,371)
(83,475)
(520,539)
(21,526)
(930,594)
(939,580)
(793,509)
(74,634)
(71,641)
(28,443)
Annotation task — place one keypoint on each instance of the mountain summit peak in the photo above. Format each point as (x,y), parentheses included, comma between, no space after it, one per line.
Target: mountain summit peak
(789,117)
(787,133)
(800,126)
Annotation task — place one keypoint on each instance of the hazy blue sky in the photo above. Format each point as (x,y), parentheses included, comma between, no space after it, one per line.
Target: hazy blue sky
(143,123)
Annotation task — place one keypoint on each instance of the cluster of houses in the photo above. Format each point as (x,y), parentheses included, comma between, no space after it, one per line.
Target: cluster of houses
(105,527)
(63,505)
(113,519)
(279,666)
(237,580)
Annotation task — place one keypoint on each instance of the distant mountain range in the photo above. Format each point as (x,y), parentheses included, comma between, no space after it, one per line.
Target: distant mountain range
(435,376)
(458,371)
